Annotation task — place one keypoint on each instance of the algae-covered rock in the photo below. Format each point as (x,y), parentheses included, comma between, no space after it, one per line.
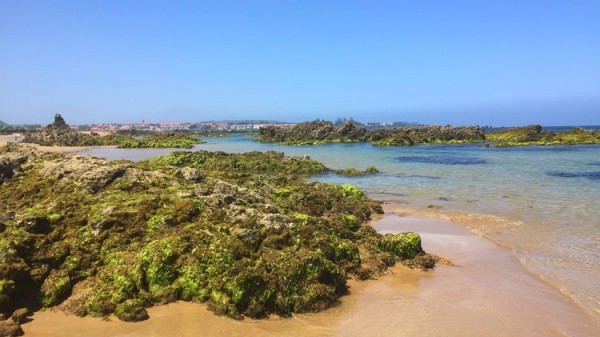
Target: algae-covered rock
(243,233)
(322,132)
(403,245)
(56,133)
(59,133)
(132,310)
(536,135)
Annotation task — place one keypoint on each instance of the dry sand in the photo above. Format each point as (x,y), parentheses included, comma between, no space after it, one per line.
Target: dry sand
(487,293)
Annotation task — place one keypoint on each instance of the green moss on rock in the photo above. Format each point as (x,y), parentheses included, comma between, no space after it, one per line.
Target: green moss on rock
(403,245)
(536,135)
(243,233)
(323,132)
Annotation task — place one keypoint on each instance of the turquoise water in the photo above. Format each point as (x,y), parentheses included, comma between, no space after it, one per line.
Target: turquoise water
(546,199)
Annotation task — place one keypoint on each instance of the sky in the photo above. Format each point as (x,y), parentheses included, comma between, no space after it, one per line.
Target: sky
(454,62)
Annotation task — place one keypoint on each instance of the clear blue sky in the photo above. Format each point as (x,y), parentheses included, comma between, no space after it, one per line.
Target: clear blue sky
(459,62)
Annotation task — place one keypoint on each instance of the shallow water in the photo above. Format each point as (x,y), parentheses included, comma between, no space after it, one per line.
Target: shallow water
(546,200)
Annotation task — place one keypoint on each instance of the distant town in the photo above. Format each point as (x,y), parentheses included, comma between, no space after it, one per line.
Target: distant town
(211,126)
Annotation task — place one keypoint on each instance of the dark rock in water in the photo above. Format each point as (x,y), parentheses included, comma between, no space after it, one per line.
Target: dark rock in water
(443,160)
(588,175)
(423,261)
(418,176)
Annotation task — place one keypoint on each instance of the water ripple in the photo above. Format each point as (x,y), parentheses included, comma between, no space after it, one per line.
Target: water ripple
(419,176)
(442,159)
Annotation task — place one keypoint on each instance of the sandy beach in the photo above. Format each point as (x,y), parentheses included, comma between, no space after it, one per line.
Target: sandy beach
(486,293)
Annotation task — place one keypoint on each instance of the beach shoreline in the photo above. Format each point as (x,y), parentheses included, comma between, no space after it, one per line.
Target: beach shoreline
(489,227)
(487,292)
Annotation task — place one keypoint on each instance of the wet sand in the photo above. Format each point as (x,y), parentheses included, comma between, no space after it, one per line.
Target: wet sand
(487,293)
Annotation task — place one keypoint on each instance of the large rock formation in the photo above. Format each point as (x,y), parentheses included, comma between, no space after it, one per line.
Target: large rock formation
(536,135)
(241,232)
(320,132)
(57,133)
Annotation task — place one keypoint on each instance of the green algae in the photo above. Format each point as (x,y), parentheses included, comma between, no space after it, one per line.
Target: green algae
(403,245)
(155,140)
(352,191)
(60,134)
(323,132)
(536,135)
(245,234)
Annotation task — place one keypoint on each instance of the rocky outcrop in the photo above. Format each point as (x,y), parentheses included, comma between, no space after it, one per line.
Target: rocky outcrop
(536,135)
(14,157)
(89,173)
(320,132)
(57,133)
(317,132)
(10,328)
(242,232)
(60,134)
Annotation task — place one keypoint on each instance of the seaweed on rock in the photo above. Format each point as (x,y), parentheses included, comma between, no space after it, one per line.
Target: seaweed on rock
(243,233)
(536,135)
(61,134)
(322,132)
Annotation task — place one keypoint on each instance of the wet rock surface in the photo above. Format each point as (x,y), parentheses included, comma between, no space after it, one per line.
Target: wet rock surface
(244,233)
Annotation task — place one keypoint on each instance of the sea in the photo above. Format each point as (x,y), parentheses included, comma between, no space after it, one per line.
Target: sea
(543,203)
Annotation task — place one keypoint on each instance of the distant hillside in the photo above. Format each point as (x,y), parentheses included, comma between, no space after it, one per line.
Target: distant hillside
(2,123)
